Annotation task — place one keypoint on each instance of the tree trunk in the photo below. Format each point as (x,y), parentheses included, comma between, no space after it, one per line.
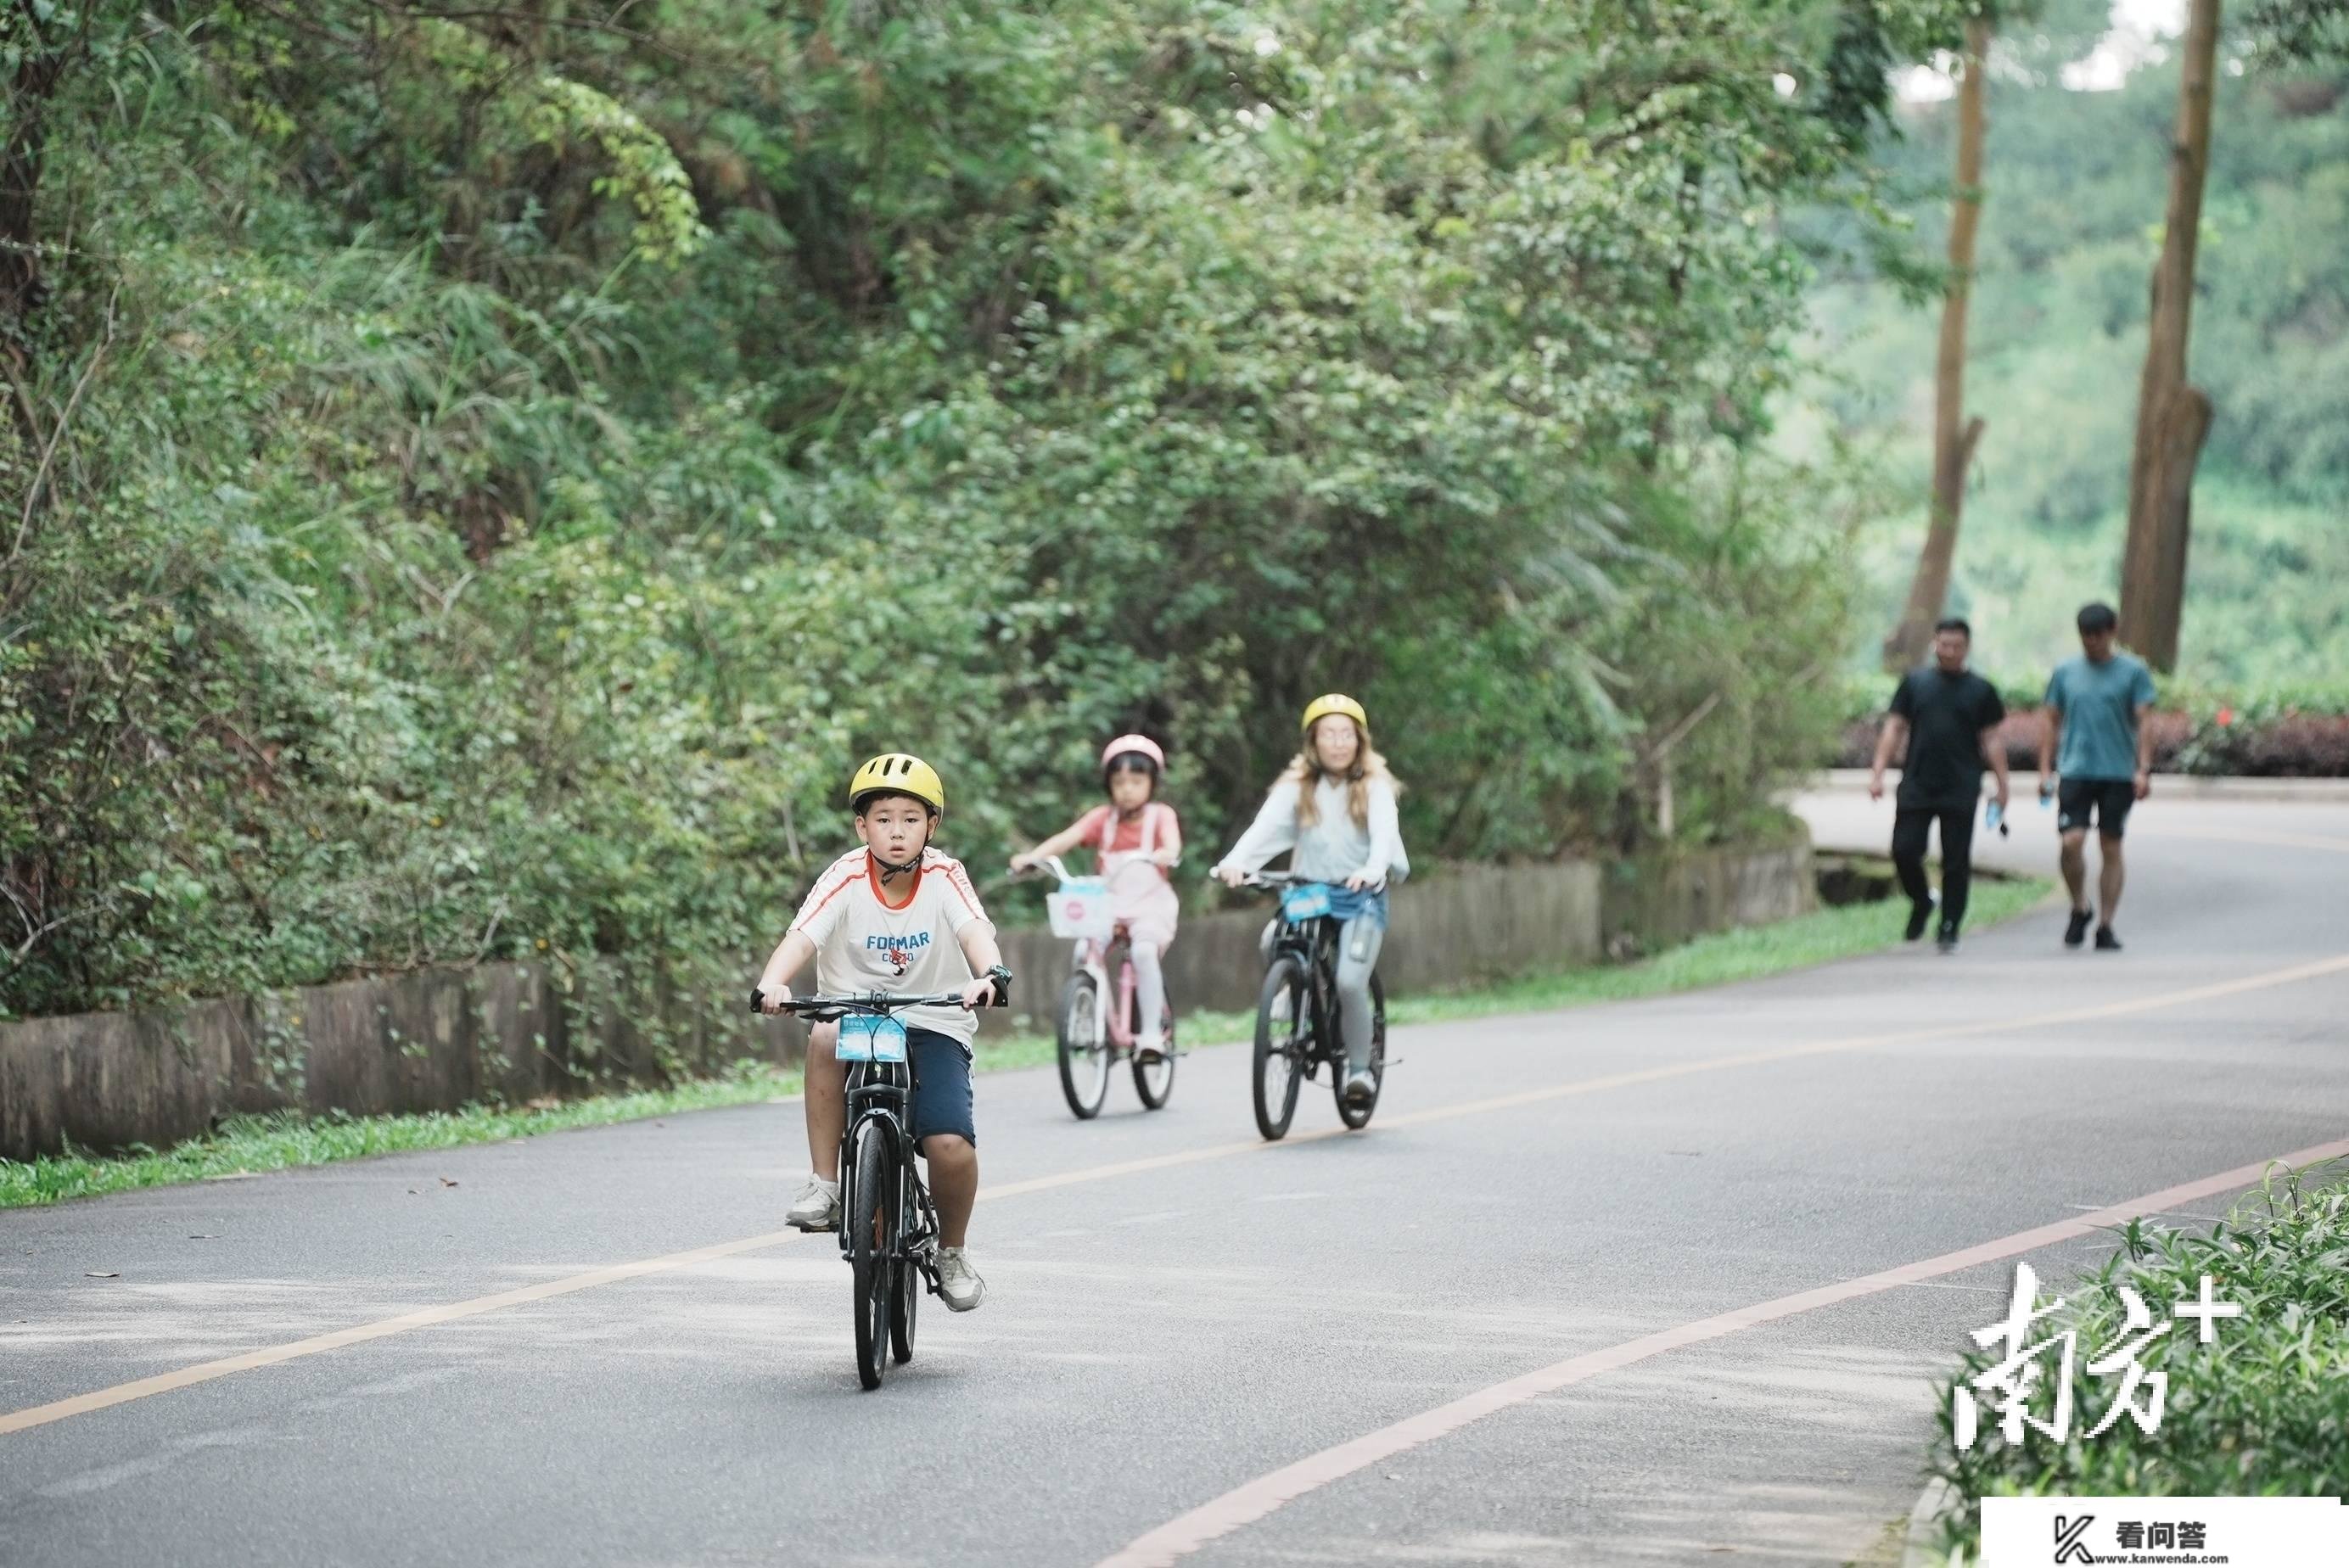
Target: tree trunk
(1953,435)
(2172,417)
(40,66)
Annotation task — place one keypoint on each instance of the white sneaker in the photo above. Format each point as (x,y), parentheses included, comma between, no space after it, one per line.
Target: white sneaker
(817,1208)
(959,1285)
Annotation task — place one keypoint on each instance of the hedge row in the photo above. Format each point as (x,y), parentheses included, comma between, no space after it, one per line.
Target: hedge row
(2286,733)
(2263,1410)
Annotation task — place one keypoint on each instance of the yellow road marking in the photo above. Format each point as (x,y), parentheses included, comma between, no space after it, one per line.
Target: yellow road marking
(427,1317)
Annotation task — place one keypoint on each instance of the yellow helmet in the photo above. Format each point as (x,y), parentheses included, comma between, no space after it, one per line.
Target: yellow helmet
(899,773)
(1323,706)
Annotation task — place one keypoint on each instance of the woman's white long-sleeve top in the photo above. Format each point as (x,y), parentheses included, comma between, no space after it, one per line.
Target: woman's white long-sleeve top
(1335,847)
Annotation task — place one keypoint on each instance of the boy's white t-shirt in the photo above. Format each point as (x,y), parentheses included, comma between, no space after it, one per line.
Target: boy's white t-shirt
(862,944)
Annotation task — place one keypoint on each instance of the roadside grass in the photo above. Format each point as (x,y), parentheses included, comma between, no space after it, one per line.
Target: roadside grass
(1750,953)
(2261,1411)
(251,1145)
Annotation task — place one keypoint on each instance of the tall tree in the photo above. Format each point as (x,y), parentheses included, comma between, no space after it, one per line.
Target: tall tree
(1954,434)
(2172,417)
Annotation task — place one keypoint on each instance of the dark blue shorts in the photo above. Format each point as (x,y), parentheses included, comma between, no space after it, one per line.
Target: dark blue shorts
(941,1099)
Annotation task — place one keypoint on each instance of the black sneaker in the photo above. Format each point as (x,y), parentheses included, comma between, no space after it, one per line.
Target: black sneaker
(2075,931)
(2106,940)
(1920,915)
(1946,940)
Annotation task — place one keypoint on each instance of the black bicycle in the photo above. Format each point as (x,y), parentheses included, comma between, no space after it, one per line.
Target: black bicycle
(888,1227)
(1298,1029)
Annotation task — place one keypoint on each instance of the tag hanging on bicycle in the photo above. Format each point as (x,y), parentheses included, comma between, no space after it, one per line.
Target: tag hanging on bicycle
(1306,900)
(1081,910)
(865,1039)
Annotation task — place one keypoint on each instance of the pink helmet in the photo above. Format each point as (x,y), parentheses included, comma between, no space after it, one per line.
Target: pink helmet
(1125,744)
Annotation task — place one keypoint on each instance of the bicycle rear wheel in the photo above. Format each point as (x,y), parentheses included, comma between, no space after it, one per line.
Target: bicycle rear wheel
(1084,1047)
(1358,1117)
(871,1216)
(1153,1080)
(1283,1026)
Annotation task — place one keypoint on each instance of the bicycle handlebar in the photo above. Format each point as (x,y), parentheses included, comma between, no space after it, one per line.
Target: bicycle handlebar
(1290,879)
(880,1004)
(1059,868)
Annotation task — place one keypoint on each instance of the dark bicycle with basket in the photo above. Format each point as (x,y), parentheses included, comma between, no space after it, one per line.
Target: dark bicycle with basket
(888,1228)
(1297,1027)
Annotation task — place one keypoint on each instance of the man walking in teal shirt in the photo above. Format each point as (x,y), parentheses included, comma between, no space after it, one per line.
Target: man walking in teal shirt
(2095,709)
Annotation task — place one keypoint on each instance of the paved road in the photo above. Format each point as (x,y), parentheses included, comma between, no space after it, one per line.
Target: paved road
(1179,1313)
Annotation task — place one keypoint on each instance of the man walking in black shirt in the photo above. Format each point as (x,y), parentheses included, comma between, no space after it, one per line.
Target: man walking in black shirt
(1947,718)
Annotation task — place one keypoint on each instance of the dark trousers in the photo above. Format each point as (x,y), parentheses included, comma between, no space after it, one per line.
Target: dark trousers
(1909,826)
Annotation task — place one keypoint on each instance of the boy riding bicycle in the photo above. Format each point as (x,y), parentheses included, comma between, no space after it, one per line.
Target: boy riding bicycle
(897,915)
(1137,840)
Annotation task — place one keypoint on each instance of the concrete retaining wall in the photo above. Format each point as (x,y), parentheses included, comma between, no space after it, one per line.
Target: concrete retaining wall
(438,1039)
(1472,924)
(435,1039)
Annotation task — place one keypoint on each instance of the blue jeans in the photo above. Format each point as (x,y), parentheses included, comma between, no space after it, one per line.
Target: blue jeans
(1358,941)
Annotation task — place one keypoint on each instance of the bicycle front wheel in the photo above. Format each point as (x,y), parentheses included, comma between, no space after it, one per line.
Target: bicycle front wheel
(907,1299)
(1282,1031)
(1084,1047)
(870,1212)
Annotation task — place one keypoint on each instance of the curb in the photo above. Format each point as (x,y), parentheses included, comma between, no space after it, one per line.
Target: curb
(2174,786)
(1918,1545)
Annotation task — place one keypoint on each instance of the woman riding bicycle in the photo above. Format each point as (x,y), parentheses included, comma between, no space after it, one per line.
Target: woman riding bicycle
(1335,806)
(1138,839)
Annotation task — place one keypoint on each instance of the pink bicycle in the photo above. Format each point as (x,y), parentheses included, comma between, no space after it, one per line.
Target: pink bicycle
(1094,1038)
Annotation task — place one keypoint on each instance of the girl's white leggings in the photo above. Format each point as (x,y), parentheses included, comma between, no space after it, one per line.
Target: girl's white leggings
(1150,991)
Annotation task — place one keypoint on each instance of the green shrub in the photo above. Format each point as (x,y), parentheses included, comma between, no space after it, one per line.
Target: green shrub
(2294,731)
(2263,1411)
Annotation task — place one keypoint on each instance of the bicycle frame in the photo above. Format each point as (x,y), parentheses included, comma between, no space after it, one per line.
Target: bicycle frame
(1112,1024)
(1313,943)
(881,1093)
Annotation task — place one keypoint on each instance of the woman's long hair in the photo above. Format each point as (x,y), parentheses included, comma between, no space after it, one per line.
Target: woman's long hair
(1306,769)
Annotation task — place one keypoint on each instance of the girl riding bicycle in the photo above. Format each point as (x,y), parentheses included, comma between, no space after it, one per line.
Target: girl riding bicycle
(1335,807)
(1138,839)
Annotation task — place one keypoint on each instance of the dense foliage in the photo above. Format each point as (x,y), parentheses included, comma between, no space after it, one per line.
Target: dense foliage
(479,479)
(2258,1411)
(2071,223)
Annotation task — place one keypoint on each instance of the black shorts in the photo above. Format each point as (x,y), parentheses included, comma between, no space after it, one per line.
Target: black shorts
(941,1097)
(2107,800)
